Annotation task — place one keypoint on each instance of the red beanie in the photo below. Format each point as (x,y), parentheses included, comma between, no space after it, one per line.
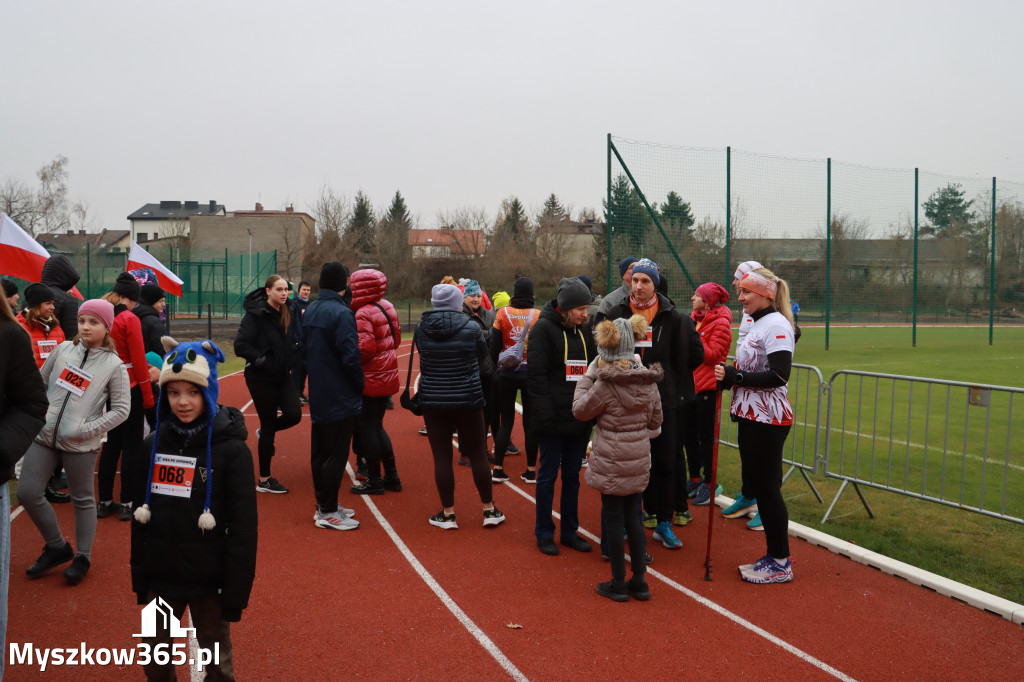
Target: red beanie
(712,294)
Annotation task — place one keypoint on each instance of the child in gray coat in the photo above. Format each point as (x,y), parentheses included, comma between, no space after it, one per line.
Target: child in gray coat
(623,396)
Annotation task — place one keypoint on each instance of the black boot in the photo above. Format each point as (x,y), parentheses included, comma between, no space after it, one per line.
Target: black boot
(50,558)
(373,486)
(615,590)
(77,570)
(55,496)
(391,480)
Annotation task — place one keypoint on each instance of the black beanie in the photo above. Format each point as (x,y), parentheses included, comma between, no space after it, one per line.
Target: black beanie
(151,293)
(572,293)
(586,280)
(38,293)
(523,288)
(10,288)
(333,276)
(127,286)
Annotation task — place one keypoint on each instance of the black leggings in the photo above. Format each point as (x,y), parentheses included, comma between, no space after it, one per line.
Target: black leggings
(441,424)
(623,511)
(125,438)
(506,393)
(761,448)
(372,442)
(697,434)
(267,397)
(659,498)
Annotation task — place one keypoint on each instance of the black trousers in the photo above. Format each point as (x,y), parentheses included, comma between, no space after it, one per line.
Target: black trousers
(659,498)
(267,397)
(761,449)
(371,441)
(328,453)
(618,511)
(506,390)
(125,438)
(441,424)
(697,435)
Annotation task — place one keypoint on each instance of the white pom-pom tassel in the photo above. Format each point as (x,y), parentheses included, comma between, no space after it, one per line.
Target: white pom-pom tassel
(206,521)
(142,514)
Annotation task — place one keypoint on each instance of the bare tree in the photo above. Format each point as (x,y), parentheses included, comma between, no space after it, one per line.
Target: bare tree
(52,199)
(332,212)
(18,201)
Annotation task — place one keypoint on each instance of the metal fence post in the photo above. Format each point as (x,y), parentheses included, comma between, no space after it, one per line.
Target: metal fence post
(992,269)
(728,213)
(199,291)
(608,222)
(88,271)
(209,320)
(917,203)
(828,248)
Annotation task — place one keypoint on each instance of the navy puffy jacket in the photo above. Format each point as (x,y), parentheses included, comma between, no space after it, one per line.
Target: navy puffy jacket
(452,355)
(331,348)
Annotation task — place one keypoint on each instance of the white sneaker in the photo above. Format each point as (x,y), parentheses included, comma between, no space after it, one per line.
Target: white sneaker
(346,511)
(334,520)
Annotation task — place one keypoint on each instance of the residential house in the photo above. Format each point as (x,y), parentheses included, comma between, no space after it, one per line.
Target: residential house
(446,243)
(169,219)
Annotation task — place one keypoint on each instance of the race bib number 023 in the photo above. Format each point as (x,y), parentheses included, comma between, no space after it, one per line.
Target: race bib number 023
(172,475)
(75,380)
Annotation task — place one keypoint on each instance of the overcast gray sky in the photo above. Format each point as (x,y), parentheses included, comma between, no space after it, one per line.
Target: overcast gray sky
(465,103)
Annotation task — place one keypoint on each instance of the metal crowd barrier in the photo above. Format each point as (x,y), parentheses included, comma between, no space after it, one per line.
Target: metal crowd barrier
(948,442)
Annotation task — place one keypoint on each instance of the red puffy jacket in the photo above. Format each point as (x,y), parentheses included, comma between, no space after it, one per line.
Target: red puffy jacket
(377,347)
(715,329)
(44,339)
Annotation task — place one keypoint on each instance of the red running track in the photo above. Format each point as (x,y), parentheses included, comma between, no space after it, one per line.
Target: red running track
(400,599)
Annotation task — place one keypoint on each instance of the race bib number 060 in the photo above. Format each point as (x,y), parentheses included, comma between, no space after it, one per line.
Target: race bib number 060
(172,475)
(575,369)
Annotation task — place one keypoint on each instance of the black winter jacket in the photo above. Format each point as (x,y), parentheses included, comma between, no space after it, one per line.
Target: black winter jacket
(550,344)
(269,351)
(60,275)
(152,328)
(453,357)
(170,554)
(675,346)
(331,349)
(23,400)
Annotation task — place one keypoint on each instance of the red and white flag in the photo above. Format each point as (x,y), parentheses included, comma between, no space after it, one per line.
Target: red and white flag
(138,257)
(20,255)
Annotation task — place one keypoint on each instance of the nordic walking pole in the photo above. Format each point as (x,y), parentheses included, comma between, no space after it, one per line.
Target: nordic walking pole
(714,477)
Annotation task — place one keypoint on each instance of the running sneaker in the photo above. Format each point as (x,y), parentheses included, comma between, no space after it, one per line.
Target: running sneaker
(650,520)
(703,496)
(692,485)
(271,486)
(511,449)
(663,534)
(105,509)
(464,461)
(767,570)
(755,523)
(498,475)
(423,431)
(681,518)
(529,476)
(492,517)
(334,520)
(442,520)
(742,505)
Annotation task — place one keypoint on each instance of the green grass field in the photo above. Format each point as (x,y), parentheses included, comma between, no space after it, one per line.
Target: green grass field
(927,441)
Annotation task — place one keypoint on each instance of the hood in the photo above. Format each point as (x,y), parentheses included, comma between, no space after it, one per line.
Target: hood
(59,272)
(440,325)
(229,424)
(550,312)
(629,384)
(145,310)
(256,301)
(367,286)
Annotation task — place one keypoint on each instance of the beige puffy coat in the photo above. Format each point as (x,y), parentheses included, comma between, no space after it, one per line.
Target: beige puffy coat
(627,407)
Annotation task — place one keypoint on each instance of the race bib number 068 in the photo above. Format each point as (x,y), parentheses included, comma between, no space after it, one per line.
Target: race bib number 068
(172,475)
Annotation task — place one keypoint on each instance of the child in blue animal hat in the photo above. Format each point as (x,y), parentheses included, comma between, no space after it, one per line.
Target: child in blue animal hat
(194,539)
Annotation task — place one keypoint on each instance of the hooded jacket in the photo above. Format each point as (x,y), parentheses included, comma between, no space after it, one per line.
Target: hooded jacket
(627,407)
(550,345)
(170,554)
(675,346)
(60,275)
(331,348)
(453,357)
(715,330)
(267,348)
(152,327)
(127,336)
(75,423)
(22,398)
(45,337)
(378,348)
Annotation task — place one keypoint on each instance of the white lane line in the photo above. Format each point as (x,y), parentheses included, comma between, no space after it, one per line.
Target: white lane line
(17,512)
(486,642)
(722,611)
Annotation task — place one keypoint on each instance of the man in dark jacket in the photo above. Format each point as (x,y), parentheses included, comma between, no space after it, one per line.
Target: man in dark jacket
(673,343)
(60,275)
(331,348)
(297,307)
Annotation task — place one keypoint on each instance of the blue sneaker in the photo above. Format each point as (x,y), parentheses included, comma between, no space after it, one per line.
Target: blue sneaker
(755,523)
(703,496)
(742,505)
(663,534)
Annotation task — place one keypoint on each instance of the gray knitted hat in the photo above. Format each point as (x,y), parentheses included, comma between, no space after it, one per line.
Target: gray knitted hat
(617,338)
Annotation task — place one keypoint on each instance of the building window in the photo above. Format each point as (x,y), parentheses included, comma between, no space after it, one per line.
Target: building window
(141,237)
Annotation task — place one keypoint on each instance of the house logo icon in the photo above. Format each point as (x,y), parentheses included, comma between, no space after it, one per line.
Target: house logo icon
(158,615)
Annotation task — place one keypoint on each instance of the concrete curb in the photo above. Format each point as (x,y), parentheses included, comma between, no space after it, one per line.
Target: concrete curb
(1003,608)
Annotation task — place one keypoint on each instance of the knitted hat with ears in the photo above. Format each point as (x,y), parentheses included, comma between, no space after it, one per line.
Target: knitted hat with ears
(196,363)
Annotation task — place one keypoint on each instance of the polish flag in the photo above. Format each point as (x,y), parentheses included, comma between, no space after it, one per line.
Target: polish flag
(138,257)
(20,255)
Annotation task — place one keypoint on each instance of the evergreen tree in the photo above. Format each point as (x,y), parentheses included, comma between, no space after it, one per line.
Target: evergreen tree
(948,212)
(627,218)
(512,227)
(677,220)
(553,210)
(361,233)
(393,236)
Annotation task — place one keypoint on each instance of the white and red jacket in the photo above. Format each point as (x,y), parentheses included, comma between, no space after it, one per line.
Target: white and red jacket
(131,348)
(377,346)
(715,329)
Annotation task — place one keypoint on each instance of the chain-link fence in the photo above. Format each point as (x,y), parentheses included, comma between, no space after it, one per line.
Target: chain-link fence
(214,282)
(857,244)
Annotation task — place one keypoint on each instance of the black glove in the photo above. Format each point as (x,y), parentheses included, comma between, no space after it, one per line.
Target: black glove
(730,377)
(261,362)
(151,417)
